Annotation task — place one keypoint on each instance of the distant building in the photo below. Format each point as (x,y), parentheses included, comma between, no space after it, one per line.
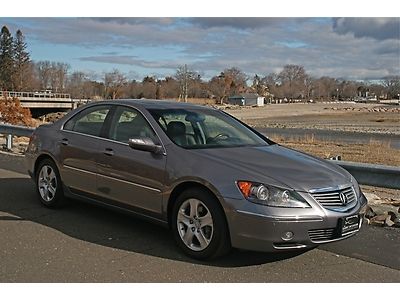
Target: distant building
(249,99)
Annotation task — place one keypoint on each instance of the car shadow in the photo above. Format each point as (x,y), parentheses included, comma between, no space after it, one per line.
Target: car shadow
(104,227)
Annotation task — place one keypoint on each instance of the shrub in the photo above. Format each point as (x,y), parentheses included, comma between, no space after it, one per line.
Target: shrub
(12,112)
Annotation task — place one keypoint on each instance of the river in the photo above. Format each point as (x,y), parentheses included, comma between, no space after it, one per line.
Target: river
(392,141)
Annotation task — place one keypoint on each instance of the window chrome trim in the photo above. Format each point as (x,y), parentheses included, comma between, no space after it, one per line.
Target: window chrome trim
(113,178)
(164,152)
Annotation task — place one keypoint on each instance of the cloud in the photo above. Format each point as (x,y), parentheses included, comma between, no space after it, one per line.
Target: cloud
(135,21)
(376,28)
(132,61)
(241,23)
(325,47)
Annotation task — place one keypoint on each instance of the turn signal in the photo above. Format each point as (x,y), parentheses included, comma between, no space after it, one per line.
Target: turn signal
(245,188)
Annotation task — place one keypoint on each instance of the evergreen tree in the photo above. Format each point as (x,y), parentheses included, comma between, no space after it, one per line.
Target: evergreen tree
(6,59)
(22,62)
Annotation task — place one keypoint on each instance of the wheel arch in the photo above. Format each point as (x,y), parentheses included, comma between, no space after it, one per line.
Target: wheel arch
(179,188)
(40,158)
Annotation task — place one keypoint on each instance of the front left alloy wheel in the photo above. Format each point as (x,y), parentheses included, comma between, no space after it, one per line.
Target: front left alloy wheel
(199,225)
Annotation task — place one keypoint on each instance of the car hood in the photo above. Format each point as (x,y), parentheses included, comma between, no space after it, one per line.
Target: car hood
(292,168)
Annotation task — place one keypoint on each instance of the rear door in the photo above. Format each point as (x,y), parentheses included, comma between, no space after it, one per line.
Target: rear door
(79,145)
(133,178)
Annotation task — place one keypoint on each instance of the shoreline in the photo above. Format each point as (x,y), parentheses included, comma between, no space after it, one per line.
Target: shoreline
(367,131)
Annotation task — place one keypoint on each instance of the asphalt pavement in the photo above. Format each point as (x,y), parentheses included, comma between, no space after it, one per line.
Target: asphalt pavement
(86,243)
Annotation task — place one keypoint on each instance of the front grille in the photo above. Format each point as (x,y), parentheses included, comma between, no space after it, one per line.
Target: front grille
(333,198)
(320,235)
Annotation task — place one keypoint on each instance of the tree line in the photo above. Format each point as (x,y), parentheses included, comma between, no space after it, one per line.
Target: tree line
(19,73)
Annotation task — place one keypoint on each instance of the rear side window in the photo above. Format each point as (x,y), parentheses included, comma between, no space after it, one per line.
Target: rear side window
(89,121)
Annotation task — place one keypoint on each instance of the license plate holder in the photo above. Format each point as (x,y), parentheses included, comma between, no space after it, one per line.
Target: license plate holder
(350,224)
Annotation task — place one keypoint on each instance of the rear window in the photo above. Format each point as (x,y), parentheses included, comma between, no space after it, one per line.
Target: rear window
(89,121)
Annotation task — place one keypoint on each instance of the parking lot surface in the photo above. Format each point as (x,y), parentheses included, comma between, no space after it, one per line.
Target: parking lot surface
(85,243)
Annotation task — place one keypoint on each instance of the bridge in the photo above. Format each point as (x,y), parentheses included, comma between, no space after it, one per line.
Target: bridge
(44,99)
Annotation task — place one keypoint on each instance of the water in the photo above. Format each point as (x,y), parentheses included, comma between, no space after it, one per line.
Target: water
(392,141)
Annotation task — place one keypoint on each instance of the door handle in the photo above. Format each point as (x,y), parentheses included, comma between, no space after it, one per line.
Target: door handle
(108,151)
(64,142)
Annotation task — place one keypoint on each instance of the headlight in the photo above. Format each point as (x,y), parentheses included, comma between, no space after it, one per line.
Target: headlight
(357,188)
(270,195)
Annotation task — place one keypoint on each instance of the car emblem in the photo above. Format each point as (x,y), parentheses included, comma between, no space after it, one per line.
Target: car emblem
(343,198)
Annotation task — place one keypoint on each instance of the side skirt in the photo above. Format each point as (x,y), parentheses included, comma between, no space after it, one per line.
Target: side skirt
(113,205)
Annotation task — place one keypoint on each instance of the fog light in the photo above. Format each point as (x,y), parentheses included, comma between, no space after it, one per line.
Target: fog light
(287,236)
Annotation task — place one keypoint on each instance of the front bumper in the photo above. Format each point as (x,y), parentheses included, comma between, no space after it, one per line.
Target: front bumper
(260,228)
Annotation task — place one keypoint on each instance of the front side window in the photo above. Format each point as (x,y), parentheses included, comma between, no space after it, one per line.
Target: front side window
(204,128)
(129,123)
(89,121)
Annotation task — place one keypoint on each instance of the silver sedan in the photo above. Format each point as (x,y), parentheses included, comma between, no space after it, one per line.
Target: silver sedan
(216,182)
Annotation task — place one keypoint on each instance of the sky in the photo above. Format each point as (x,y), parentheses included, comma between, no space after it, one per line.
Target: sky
(348,48)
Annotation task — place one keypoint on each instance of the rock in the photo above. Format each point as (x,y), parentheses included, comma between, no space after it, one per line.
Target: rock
(392,215)
(379,220)
(388,221)
(394,202)
(376,222)
(369,213)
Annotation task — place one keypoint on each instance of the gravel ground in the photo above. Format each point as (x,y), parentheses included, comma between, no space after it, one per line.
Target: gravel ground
(353,117)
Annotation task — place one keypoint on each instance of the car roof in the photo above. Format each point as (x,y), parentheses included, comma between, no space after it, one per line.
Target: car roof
(155,104)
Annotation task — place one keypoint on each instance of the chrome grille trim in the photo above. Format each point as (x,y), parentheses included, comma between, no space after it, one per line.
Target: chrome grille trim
(319,235)
(331,198)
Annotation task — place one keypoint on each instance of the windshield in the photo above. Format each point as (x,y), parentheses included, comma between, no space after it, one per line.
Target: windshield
(205,128)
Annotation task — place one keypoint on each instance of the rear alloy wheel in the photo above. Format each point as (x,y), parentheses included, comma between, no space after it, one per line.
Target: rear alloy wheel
(48,184)
(199,225)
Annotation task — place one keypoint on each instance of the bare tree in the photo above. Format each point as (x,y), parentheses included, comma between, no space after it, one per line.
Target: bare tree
(76,85)
(114,82)
(217,88)
(169,88)
(235,81)
(309,86)
(150,88)
(325,87)
(259,86)
(273,83)
(348,89)
(293,80)
(186,79)
(44,73)
(392,85)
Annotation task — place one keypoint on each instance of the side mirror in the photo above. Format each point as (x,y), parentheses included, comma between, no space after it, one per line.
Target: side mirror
(145,144)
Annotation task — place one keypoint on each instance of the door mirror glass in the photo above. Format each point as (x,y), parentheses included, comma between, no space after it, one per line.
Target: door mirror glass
(145,144)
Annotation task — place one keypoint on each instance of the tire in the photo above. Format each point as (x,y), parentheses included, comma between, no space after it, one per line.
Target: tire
(199,225)
(49,184)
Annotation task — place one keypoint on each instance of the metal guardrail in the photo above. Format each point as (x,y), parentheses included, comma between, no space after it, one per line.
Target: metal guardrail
(368,174)
(14,130)
(373,175)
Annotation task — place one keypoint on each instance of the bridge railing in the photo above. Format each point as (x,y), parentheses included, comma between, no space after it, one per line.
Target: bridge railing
(368,174)
(40,95)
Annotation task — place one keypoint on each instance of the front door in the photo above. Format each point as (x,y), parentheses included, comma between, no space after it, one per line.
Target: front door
(130,177)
